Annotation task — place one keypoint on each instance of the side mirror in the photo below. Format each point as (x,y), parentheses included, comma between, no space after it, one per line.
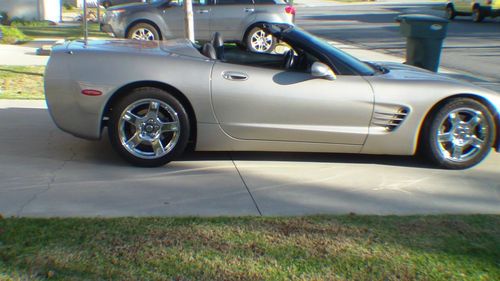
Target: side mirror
(321,70)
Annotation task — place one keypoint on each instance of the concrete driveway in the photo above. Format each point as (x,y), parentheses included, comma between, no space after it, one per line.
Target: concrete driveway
(45,172)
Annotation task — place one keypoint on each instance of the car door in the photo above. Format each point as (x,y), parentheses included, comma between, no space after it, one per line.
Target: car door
(257,103)
(228,17)
(173,14)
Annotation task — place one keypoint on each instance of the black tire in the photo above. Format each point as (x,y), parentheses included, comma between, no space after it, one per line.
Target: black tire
(139,102)
(106,4)
(267,46)
(143,31)
(477,15)
(450,12)
(441,139)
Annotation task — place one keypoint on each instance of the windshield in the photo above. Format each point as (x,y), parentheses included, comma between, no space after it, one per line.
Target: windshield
(340,60)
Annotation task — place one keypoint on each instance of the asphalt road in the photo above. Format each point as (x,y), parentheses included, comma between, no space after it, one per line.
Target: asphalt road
(470,48)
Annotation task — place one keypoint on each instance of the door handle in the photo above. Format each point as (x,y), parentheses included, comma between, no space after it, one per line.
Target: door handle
(234,76)
(249,10)
(202,11)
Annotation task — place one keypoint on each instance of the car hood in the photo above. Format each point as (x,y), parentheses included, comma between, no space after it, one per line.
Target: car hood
(408,72)
(130,6)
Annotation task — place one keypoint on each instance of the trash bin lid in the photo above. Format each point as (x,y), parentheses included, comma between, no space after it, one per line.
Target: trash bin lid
(421,18)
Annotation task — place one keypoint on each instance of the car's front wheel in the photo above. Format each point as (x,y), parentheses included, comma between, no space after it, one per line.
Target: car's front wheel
(459,134)
(259,41)
(149,127)
(143,31)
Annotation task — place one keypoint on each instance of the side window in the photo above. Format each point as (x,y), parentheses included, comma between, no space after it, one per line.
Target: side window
(195,2)
(233,2)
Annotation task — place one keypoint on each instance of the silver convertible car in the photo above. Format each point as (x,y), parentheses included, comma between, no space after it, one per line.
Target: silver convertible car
(156,98)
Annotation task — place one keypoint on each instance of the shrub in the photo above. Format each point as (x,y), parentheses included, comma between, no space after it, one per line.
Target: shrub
(12,35)
(15,22)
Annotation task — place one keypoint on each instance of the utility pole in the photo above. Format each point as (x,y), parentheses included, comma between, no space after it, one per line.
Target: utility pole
(189,22)
(84,21)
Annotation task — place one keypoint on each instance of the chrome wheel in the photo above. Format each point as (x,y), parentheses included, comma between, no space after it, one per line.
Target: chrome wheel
(143,34)
(462,134)
(260,41)
(458,133)
(149,128)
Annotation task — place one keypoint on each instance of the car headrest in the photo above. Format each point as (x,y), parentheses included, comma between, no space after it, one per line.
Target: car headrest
(208,50)
(217,40)
(218,43)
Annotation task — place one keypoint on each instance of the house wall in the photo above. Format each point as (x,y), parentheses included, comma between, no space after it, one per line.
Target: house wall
(32,9)
(26,9)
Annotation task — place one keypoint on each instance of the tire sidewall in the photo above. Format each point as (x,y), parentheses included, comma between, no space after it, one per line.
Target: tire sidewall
(249,41)
(149,93)
(433,151)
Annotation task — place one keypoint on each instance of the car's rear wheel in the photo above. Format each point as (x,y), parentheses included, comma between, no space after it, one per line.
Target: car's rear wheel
(450,12)
(459,134)
(259,41)
(149,127)
(477,15)
(143,31)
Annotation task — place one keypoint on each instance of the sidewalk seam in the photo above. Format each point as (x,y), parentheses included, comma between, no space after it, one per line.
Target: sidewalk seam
(246,186)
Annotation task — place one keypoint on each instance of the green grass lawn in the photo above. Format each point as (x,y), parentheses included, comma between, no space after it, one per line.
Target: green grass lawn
(252,248)
(21,82)
(56,31)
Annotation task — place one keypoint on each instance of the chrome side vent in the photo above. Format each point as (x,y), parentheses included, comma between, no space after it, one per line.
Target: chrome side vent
(390,120)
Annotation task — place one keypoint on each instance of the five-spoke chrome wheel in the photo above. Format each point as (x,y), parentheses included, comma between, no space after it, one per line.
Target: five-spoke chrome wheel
(260,41)
(149,127)
(462,134)
(458,134)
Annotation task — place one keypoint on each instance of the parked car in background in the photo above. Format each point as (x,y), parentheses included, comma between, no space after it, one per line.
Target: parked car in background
(479,9)
(239,20)
(109,3)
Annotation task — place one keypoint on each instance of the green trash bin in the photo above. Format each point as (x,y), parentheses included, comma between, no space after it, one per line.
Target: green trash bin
(424,39)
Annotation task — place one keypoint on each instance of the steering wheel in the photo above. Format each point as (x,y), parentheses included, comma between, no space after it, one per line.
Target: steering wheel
(289,59)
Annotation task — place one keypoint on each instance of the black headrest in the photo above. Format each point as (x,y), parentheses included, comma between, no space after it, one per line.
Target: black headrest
(209,51)
(217,40)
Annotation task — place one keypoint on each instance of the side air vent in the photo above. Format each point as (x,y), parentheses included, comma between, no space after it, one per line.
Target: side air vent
(390,120)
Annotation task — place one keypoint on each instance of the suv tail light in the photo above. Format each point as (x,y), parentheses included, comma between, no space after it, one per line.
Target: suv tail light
(290,10)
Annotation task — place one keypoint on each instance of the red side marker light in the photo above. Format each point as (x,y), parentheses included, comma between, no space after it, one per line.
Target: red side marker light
(92,93)
(290,10)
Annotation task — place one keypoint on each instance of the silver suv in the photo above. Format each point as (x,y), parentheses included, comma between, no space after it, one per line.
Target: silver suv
(239,20)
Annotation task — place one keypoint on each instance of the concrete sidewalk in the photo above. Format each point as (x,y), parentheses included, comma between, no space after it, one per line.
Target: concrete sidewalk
(45,172)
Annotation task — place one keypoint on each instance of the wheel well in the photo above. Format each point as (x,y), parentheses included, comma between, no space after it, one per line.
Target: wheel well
(485,102)
(168,88)
(144,21)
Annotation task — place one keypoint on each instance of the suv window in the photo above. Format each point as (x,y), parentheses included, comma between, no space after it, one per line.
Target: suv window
(195,2)
(233,2)
(270,1)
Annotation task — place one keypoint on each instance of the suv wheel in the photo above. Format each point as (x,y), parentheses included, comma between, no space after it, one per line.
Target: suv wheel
(259,41)
(143,31)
